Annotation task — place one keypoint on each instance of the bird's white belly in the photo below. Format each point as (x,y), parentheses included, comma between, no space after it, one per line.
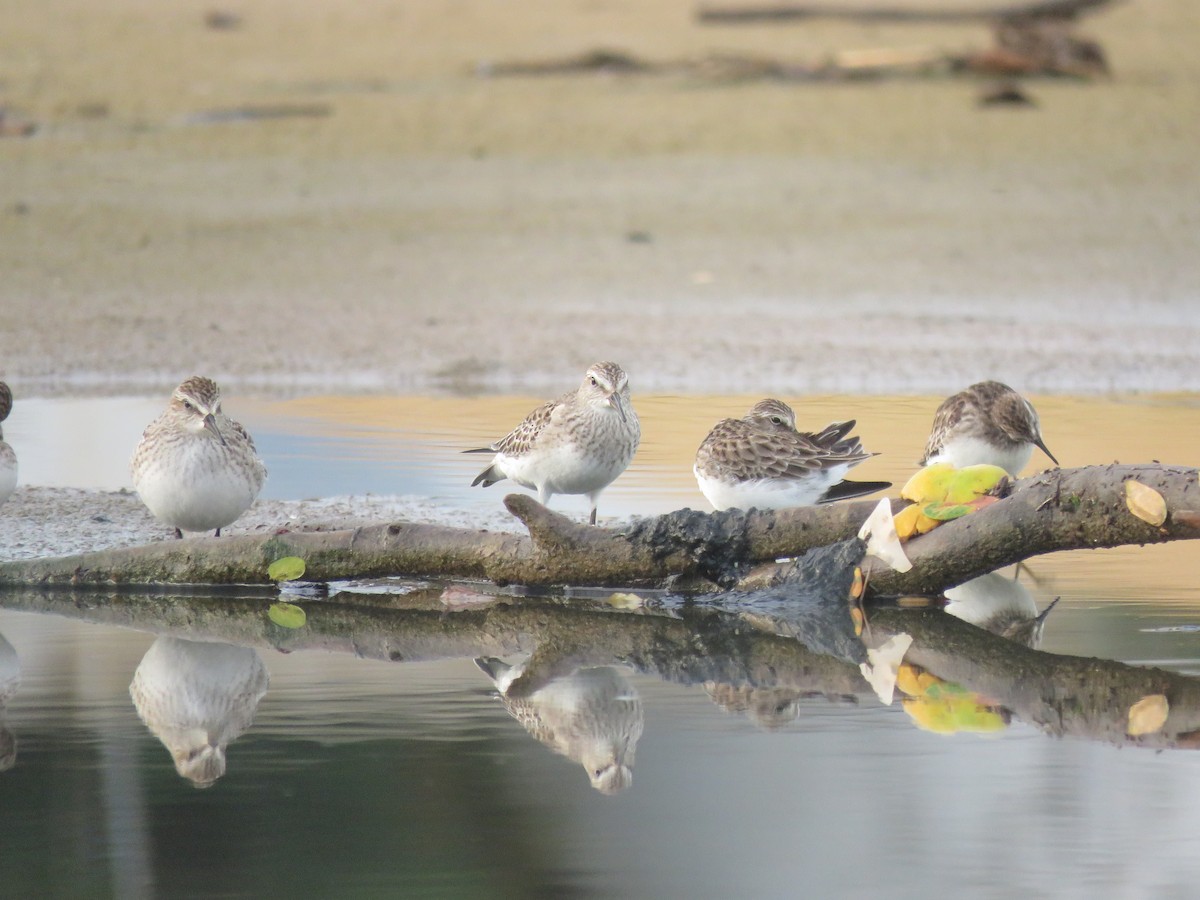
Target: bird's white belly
(8,471)
(972,451)
(196,491)
(769,493)
(562,470)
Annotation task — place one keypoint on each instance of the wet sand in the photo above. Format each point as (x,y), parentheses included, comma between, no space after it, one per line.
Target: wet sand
(400,223)
(416,227)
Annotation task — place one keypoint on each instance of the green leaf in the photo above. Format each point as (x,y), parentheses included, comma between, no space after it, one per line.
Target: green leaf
(287,569)
(944,512)
(287,615)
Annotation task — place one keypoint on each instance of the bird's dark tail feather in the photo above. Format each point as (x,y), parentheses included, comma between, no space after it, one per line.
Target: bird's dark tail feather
(846,490)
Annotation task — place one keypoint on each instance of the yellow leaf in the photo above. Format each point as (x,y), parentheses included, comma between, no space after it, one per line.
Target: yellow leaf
(1148,715)
(970,482)
(929,483)
(1145,502)
(906,679)
(910,521)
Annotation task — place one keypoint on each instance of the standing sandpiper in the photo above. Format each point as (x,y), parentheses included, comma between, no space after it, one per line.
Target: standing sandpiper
(195,468)
(577,444)
(761,460)
(990,423)
(8,457)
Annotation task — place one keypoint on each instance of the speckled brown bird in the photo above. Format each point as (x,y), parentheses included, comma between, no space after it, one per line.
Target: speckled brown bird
(577,444)
(761,460)
(195,468)
(988,422)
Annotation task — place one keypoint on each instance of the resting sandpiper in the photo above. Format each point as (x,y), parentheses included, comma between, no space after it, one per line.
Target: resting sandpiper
(577,444)
(8,456)
(761,460)
(989,423)
(195,468)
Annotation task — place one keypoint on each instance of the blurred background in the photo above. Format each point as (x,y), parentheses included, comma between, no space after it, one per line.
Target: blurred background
(308,196)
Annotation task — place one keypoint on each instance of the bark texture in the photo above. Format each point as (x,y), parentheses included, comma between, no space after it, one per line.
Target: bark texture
(1061,509)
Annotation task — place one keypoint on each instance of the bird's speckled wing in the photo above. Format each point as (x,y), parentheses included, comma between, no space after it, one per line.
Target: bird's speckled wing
(953,409)
(738,450)
(521,438)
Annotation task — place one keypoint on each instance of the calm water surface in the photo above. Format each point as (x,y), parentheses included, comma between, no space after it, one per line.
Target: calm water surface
(366,777)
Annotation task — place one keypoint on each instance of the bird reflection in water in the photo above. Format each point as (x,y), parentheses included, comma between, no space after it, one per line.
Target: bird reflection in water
(768,708)
(999,604)
(592,715)
(196,697)
(10,681)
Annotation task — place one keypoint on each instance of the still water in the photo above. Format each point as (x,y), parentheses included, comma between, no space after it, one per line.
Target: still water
(371,756)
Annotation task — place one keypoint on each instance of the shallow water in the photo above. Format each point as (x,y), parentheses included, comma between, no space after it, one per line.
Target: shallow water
(361,777)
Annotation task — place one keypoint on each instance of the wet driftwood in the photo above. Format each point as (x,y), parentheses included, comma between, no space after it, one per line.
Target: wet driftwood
(1061,509)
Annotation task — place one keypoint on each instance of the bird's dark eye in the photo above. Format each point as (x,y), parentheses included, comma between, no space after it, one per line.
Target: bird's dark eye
(592,379)
(187,405)
(778,420)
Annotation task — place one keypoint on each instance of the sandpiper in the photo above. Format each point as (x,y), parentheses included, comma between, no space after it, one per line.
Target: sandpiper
(8,456)
(989,422)
(195,468)
(577,444)
(761,460)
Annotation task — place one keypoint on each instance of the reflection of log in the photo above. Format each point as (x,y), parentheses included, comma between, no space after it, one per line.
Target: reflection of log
(1054,9)
(698,645)
(1062,509)
(1061,695)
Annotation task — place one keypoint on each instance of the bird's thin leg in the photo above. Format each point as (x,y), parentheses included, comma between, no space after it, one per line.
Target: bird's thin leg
(178,535)
(218,534)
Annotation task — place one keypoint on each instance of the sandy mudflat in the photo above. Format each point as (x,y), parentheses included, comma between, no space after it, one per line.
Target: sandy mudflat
(403,224)
(417,227)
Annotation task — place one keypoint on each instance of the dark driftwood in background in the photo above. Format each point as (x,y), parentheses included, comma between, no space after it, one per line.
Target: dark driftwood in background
(784,12)
(1061,509)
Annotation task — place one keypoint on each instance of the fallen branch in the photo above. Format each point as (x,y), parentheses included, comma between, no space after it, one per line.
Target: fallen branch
(1062,509)
(684,544)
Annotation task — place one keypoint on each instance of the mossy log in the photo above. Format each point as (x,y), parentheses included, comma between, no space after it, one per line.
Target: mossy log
(1061,509)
